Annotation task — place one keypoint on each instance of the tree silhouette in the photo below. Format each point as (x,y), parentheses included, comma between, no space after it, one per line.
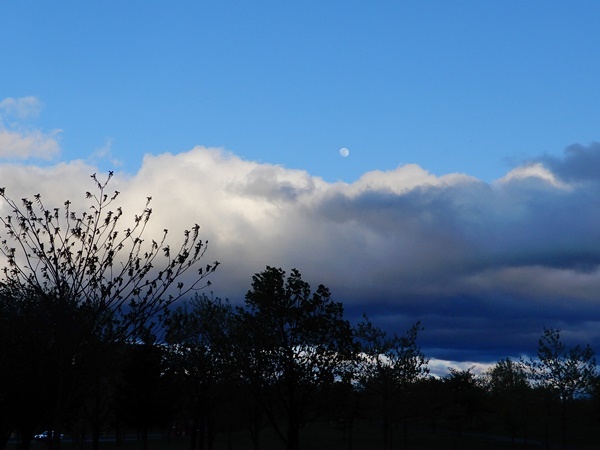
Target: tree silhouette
(24,354)
(510,394)
(389,365)
(200,356)
(145,394)
(94,281)
(296,344)
(465,397)
(565,373)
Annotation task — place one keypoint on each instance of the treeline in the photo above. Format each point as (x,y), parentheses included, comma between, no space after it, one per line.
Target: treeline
(285,359)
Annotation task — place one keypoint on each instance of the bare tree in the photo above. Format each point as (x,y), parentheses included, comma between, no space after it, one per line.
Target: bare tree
(85,258)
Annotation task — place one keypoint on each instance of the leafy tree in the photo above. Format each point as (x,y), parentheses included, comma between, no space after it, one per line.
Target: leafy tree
(568,372)
(430,394)
(92,280)
(41,333)
(145,396)
(24,357)
(297,344)
(565,373)
(96,406)
(510,394)
(389,366)
(595,400)
(465,397)
(199,338)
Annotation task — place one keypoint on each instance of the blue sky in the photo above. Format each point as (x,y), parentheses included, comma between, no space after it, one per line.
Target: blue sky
(470,189)
(470,87)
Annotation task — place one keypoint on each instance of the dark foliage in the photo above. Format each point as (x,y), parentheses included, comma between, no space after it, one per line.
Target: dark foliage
(294,345)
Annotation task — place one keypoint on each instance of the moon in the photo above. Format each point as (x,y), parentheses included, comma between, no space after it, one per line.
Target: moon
(344,152)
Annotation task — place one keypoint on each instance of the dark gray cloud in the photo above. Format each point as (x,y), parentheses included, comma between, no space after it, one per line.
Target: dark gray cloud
(580,163)
(484,267)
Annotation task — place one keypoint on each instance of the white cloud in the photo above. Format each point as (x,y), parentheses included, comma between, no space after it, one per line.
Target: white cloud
(21,108)
(535,171)
(403,179)
(21,142)
(28,144)
(105,153)
(440,368)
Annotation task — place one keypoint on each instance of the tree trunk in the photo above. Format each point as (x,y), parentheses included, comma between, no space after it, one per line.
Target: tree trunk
(201,433)
(255,434)
(4,437)
(387,444)
(26,437)
(96,438)
(386,423)
(563,421)
(255,428)
(293,435)
(145,437)
(211,433)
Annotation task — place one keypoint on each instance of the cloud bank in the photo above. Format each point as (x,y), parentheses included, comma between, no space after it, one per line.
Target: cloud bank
(483,266)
